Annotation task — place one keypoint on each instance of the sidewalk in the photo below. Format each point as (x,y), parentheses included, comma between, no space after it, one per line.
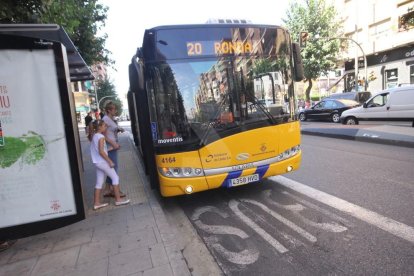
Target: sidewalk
(128,240)
(382,134)
(137,239)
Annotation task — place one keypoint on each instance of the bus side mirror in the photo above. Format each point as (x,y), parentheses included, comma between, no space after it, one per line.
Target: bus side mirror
(136,76)
(298,64)
(139,53)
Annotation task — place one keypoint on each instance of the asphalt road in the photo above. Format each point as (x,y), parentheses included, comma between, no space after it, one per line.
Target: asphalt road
(347,211)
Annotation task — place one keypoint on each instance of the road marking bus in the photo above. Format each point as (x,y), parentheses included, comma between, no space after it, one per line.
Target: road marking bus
(387,224)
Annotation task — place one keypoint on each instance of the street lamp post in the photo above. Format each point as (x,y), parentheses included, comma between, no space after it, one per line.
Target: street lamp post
(365,63)
(99,102)
(356,65)
(96,94)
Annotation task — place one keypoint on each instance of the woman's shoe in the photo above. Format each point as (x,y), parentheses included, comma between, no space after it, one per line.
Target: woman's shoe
(111,194)
(96,207)
(124,202)
(6,244)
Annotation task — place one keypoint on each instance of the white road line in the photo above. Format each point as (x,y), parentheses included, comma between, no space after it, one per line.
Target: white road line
(283,220)
(391,226)
(216,229)
(319,209)
(327,226)
(244,257)
(204,209)
(221,229)
(233,204)
(292,207)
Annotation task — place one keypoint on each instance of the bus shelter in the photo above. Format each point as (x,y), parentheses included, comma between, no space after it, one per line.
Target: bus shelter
(40,157)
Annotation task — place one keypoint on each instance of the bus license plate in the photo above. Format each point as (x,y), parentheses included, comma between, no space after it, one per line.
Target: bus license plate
(244,180)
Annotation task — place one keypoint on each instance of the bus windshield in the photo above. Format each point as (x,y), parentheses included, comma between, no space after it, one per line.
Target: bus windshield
(216,89)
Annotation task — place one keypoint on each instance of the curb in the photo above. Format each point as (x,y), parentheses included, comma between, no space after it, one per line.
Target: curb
(363,135)
(177,261)
(187,254)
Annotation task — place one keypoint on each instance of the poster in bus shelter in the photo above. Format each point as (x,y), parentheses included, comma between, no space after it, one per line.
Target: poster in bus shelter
(35,175)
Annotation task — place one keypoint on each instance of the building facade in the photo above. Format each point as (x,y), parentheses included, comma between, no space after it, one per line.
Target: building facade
(385,32)
(85,92)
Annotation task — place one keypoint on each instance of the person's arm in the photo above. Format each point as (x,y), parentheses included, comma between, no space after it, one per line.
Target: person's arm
(103,153)
(114,145)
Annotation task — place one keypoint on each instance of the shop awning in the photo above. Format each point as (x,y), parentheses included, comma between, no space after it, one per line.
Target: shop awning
(78,69)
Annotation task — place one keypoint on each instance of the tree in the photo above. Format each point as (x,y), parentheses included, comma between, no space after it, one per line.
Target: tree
(82,19)
(105,88)
(318,19)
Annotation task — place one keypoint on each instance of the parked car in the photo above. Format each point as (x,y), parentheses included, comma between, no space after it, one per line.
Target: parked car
(396,103)
(360,97)
(327,109)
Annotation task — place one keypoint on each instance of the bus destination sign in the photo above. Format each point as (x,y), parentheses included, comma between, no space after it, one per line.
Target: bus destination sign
(218,48)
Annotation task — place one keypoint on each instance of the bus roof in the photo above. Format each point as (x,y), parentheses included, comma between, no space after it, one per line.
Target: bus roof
(223,25)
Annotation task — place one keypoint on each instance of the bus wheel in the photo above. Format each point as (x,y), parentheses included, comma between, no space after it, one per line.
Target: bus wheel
(351,121)
(335,117)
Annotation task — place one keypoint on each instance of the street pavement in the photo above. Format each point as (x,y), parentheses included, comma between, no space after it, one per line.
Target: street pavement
(136,239)
(139,239)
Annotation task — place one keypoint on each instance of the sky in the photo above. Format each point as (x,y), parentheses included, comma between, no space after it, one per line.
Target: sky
(128,19)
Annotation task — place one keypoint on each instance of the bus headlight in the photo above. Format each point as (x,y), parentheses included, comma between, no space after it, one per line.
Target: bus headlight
(181,172)
(176,171)
(189,189)
(187,171)
(288,153)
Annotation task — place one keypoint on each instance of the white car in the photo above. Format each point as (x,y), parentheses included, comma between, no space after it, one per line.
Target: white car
(392,104)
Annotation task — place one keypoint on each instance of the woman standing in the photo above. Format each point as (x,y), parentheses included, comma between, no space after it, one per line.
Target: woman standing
(111,136)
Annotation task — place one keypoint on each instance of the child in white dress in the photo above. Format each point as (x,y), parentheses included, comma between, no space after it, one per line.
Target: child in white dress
(104,165)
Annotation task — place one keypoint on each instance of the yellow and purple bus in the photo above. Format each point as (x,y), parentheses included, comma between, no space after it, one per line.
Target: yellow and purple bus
(214,105)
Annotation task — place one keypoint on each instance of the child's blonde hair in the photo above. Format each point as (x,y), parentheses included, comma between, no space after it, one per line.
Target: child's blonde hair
(93,127)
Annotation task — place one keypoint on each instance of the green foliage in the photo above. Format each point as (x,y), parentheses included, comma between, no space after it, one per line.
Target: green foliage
(318,19)
(82,19)
(21,11)
(266,66)
(105,88)
(262,66)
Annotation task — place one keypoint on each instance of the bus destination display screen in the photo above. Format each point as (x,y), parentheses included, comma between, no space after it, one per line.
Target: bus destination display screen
(218,48)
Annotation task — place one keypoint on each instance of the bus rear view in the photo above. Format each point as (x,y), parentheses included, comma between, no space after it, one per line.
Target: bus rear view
(214,105)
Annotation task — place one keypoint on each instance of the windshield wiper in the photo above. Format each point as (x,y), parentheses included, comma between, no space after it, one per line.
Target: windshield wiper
(256,101)
(219,110)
